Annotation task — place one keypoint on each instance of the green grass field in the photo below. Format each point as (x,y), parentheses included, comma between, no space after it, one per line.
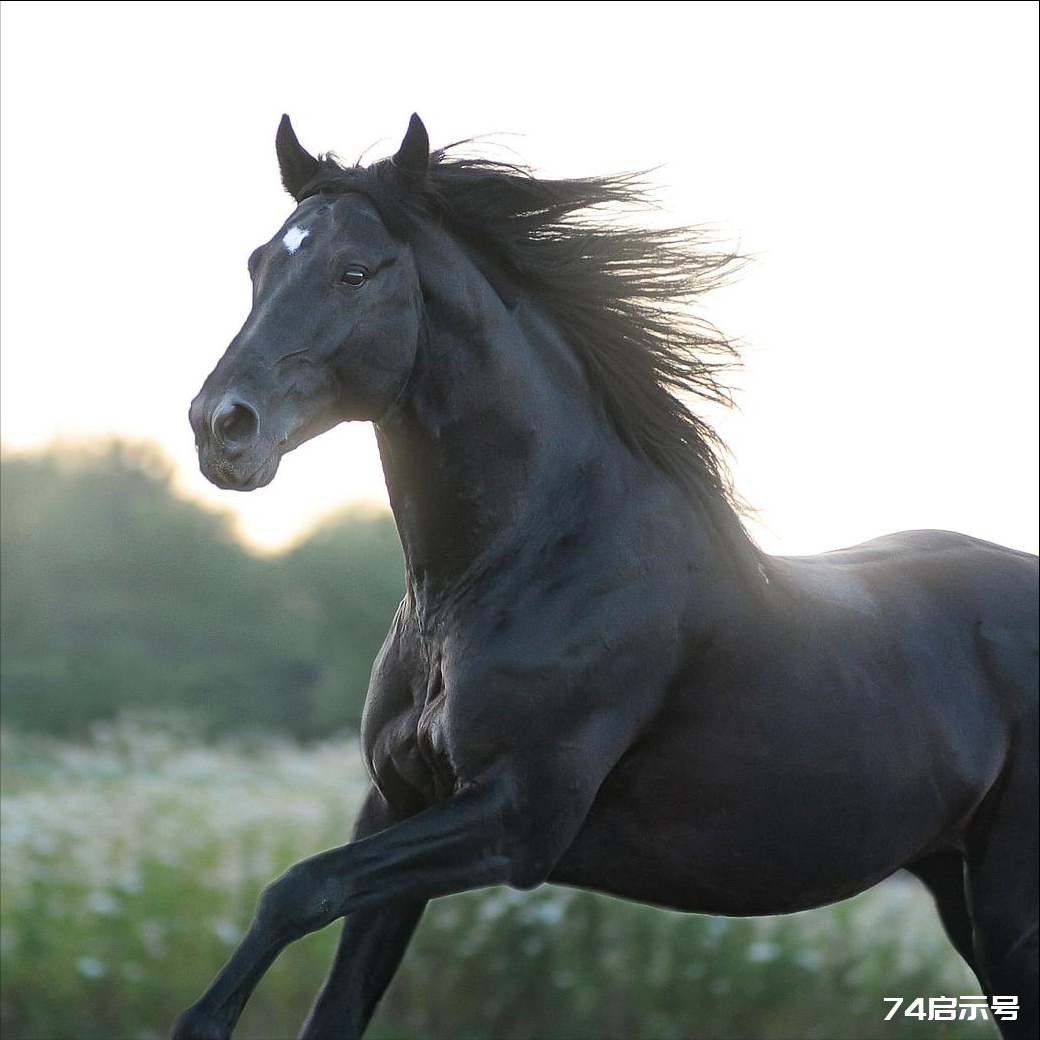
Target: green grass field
(130,866)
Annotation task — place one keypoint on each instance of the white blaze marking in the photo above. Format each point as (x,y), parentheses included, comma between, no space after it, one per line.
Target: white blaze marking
(294,238)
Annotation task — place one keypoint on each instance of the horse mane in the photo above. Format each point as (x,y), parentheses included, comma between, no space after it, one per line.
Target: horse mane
(620,295)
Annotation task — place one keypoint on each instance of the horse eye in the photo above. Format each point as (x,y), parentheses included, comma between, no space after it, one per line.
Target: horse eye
(354,276)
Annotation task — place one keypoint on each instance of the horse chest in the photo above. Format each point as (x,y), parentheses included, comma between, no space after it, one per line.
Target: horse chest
(408,750)
(431,741)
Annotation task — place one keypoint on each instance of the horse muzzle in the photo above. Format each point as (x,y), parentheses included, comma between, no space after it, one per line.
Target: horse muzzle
(233,451)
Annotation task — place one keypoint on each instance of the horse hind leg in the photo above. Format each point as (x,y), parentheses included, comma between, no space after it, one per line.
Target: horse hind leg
(1002,858)
(943,874)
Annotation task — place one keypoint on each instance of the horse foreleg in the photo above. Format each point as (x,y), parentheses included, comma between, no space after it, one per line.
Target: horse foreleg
(370,949)
(489,833)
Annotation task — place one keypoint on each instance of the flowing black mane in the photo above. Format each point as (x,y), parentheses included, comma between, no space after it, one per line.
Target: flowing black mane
(621,295)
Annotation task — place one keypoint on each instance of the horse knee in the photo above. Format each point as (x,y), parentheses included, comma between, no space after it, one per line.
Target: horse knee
(298,902)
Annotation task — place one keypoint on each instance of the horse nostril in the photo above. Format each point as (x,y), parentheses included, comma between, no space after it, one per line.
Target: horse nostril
(235,424)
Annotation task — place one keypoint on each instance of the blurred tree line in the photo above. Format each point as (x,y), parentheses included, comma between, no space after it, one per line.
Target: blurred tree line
(119,595)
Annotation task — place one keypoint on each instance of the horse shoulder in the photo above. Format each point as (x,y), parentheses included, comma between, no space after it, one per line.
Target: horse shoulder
(541,684)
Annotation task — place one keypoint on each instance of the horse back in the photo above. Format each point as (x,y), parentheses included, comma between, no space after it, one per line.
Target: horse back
(963,609)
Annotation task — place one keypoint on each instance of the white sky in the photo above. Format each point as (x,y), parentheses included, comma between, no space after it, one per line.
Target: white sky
(880,160)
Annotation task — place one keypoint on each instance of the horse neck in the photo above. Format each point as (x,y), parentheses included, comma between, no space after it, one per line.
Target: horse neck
(495,431)
(479,443)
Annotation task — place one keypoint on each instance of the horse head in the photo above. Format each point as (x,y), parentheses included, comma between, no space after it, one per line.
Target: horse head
(334,325)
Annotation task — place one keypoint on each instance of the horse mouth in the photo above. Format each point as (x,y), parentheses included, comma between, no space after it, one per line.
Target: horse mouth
(223,473)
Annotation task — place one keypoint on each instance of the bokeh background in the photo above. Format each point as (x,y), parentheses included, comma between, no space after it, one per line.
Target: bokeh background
(183,669)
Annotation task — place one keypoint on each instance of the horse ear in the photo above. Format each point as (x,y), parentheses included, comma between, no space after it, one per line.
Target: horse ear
(297,165)
(413,157)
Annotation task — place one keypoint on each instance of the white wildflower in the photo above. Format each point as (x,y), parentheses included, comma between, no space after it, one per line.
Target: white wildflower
(762,952)
(91,967)
(103,903)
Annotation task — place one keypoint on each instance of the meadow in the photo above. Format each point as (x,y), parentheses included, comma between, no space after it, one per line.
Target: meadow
(131,864)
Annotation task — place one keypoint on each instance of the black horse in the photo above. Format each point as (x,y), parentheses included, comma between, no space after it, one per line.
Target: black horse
(595,678)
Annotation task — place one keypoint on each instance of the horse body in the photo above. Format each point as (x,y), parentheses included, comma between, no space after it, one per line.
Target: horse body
(792,765)
(771,758)
(595,678)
